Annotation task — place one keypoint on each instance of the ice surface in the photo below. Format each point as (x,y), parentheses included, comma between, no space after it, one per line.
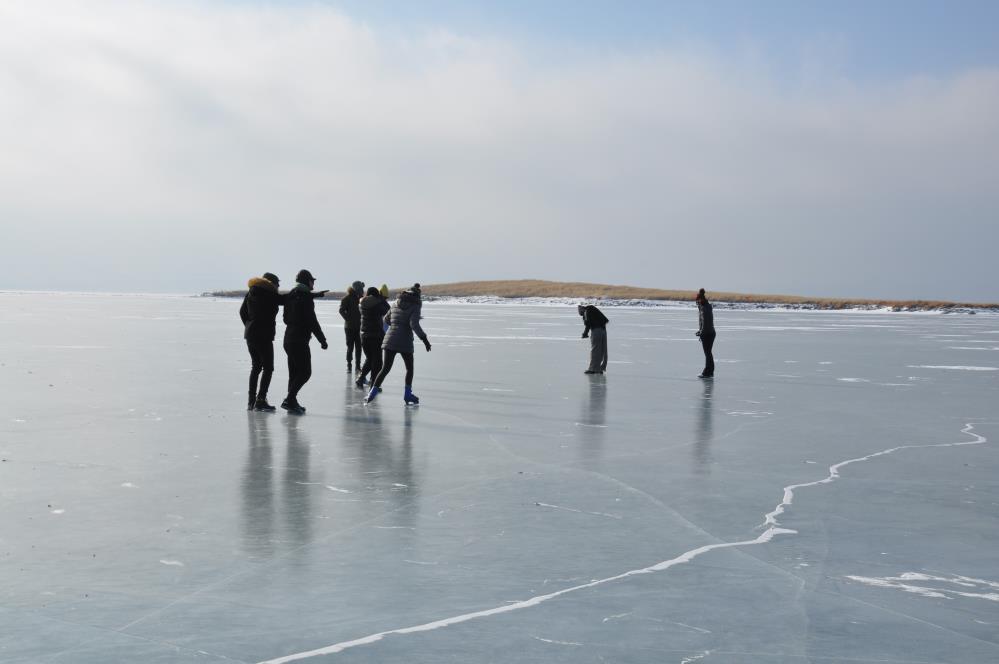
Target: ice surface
(831,496)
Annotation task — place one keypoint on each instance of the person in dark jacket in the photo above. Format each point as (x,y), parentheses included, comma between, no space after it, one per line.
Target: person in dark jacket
(258,313)
(351,311)
(301,322)
(373,310)
(595,327)
(403,320)
(706,332)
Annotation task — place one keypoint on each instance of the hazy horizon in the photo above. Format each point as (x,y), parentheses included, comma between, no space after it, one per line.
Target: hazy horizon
(828,151)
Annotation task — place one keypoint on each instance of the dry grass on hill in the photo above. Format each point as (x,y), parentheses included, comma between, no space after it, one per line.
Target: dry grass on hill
(580,290)
(538,288)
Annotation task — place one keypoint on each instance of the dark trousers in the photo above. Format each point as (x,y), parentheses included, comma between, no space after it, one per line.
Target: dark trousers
(353,338)
(372,356)
(707,341)
(389,361)
(299,367)
(261,366)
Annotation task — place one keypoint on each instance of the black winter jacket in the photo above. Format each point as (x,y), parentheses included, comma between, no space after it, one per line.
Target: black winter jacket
(593,318)
(706,318)
(300,316)
(350,311)
(259,310)
(373,310)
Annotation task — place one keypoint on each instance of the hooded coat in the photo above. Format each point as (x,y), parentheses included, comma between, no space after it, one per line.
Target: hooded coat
(350,311)
(706,317)
(373,310)
(404,320)
(259,310)
(300,316)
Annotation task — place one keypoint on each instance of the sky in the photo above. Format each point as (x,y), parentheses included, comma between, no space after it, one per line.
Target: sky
(843,149)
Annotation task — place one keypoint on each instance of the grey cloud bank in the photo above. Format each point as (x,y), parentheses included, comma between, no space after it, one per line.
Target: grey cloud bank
(185,147)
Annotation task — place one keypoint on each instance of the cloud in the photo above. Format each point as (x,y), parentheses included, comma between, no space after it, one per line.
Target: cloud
(243,136)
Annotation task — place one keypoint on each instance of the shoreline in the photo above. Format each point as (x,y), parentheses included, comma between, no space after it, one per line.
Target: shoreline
(640,303)
(719,301)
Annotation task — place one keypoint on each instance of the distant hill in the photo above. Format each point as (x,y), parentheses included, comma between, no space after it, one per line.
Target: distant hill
(523,288)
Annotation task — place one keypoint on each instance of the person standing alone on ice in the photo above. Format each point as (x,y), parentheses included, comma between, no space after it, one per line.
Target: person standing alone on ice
(351,311)
(300,318)
(595,327)
(706,332)
(403,320)
(259,313)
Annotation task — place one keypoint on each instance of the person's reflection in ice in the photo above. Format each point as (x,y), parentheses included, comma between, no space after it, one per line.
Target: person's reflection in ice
(591,425)
(387,472)
(297,489)
(257,488)
(705,431)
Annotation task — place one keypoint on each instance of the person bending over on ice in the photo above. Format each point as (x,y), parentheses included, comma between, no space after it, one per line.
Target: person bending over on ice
(595,327)
(373,310)
(403,320)
(706,331)
(300,318)
(258,313)
(351,312)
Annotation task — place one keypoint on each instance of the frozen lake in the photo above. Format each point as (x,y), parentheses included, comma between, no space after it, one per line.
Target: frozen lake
(833,495)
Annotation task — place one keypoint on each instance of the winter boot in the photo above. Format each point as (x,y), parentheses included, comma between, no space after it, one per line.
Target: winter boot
(360,382)
(409,397)
(262,405)
(291,405)
(252,400)
(375,390)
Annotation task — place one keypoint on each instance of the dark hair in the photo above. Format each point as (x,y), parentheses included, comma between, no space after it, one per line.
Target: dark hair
(372,291)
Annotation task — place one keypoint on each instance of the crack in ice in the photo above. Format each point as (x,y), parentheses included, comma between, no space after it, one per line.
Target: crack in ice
(770,521)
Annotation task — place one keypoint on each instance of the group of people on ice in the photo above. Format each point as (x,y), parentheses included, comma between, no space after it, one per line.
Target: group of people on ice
(377,330)
(371,325)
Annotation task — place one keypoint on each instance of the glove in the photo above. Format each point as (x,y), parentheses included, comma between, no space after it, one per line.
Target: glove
(426,343)
(585,335)
(324,345)
(697,334)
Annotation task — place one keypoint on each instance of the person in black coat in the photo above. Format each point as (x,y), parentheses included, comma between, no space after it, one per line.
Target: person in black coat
(373,310)
(301,322)
(595,327)
(258,313)
(350,310)
(706,332)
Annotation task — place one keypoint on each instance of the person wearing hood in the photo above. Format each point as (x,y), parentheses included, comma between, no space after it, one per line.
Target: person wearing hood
(706,333)
(595,327)
(373,310)
(302,324)
(384,291)
(351,312)
(403,320)
(259,313)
